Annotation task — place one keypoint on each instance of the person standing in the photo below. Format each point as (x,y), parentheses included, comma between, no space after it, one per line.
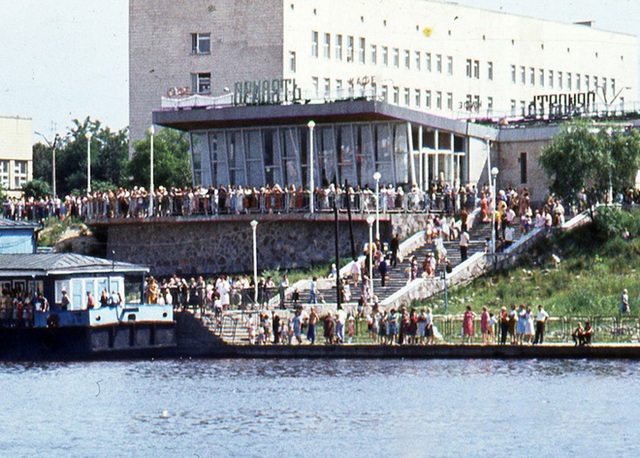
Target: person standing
(467,325)
(541,321)
(484,325)
(383,269)
(624,304)
(311,330)
(504,325)
(313,291)
(464,245)
(394,246)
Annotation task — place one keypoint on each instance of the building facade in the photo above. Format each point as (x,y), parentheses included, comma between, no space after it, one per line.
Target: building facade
(427,70)
(16,154)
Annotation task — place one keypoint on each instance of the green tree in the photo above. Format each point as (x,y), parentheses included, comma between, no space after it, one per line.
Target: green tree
(109,157)
(172,164)
(42,162)
(593,158)
(36,188)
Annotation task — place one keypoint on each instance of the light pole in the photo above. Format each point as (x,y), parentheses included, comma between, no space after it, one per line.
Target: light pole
(88,135)
(254,225)
(494,174)
(377,176)
(311,126)
(152,131)
(370,221)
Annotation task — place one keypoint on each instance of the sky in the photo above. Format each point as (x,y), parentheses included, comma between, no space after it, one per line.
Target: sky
(68,59)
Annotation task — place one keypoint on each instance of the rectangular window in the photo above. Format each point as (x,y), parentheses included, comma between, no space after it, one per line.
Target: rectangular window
(449,101)
(407,96)
(396,95)
(551,79)
(587,86)
(4,174)
(439,100)
(468,68)
(595,83)
(523,75)
(292,61)
(201,83)
(362,51)
(604,86)
(532,76)
(560,85)
(339,47)
(315,84)
(20,174)
(439,63)
(523,168)
(407,59)
(523,108)
(418,60)
(339,89)
(385,56)
(513,74)
(374,55)
(396,58)
(513,107)
(314,43)
(326,46)
(350,44)
(578,82)
(541,77)
(327,88)
(490,71)
(490,104)
(427,98)
(449,65)
(476,69)
(427,61)
(200,43)
(418,98)
(569,82)
(613,86)
(385,93)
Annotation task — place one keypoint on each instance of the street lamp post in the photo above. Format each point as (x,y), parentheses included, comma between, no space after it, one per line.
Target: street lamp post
(152,131)
(311,126)
(370,221)
(377,176)
(88,135)
(254,225)
(494,175)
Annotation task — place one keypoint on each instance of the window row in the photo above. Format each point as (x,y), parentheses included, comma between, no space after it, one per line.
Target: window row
(352,50)
(561,80)
(16,178)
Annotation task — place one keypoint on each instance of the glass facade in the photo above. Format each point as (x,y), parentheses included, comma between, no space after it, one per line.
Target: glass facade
(280,154)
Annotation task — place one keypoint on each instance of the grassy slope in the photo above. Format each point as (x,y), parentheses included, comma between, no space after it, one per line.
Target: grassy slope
(596,265)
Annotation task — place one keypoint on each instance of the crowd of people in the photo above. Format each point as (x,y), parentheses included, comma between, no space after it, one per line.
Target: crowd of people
(231,199)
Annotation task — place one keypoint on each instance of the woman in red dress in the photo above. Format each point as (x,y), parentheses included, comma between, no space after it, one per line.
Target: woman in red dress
(467,325)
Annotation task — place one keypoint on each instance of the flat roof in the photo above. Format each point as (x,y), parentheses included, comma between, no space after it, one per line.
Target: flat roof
(355,110)
(44,264)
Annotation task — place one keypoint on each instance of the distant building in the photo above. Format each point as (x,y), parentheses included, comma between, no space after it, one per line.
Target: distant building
(17,237)
(16,154)
(427,70)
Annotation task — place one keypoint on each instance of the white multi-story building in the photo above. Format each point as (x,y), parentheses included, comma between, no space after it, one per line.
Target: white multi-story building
(16,154)
(437,57)
(443,64)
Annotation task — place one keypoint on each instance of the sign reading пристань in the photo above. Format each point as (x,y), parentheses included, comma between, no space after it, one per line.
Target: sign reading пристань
(265,92)
(562,104)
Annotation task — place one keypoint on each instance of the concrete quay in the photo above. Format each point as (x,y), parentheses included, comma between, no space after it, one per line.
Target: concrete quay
(439,351)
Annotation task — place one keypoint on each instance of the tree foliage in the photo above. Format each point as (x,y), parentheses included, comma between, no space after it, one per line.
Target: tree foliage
(36,188)
(591,158)
(109,157)
(172,164)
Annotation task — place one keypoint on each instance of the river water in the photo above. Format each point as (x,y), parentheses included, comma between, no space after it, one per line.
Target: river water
(295,408)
